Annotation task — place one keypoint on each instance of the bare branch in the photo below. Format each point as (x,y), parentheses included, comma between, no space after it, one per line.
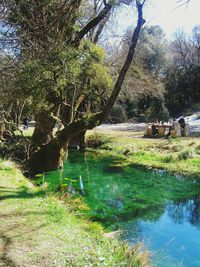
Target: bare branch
(182,3)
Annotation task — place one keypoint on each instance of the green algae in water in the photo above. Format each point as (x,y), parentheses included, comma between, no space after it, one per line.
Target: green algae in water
(159,208)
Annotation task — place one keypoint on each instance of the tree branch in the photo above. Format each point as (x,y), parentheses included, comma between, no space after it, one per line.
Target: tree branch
(94,22)
(127,63)
(101,26)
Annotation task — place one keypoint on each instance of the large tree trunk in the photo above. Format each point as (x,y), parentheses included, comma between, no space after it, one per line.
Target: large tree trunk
(49,156)
(43,132)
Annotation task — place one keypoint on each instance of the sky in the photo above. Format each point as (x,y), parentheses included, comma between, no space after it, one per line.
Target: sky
(170,16)
(167,14)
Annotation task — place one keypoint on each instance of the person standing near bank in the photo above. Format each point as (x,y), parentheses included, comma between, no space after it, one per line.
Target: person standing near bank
(25,123)
(181,121)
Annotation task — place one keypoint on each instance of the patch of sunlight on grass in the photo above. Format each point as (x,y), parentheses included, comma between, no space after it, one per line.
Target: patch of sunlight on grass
(174,154)
(26,133)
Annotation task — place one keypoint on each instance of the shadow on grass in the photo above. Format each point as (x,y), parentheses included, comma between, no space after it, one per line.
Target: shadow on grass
(12,193)
(6,260)
(22,193)
(14,226)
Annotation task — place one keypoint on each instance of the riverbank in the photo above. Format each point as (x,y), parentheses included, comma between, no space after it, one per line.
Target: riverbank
(39,230)
(177,155)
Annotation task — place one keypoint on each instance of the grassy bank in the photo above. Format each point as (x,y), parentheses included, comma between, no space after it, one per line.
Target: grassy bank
(38,230)
(178,155)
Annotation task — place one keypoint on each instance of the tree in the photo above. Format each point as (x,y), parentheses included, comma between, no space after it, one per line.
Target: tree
(53,61)
(153,49)
(12,98)
(40,40)
(49,155)
(182,79)
(144,78)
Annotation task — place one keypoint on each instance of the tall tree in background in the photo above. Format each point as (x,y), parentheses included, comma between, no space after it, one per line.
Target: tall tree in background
(182,75)
(143,84)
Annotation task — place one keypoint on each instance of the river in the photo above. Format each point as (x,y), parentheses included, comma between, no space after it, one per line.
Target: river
(150,206)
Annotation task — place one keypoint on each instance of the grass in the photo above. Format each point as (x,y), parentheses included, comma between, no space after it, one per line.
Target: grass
(39,230)
(178,155)
(26,133)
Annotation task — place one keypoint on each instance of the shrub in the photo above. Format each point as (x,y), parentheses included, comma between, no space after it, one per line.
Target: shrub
(167,159)
(183,155)
(191,143)
(197,150)
(95,141)
(175,148)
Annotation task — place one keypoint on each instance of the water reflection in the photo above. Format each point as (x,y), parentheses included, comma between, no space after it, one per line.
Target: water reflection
(185,211)
(162,209)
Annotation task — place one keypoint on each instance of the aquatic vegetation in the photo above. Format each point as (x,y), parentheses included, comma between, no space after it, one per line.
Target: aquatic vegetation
(43,231)
(117,191)
(136,200)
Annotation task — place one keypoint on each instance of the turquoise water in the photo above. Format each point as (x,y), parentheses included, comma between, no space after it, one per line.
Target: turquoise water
(159,209)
